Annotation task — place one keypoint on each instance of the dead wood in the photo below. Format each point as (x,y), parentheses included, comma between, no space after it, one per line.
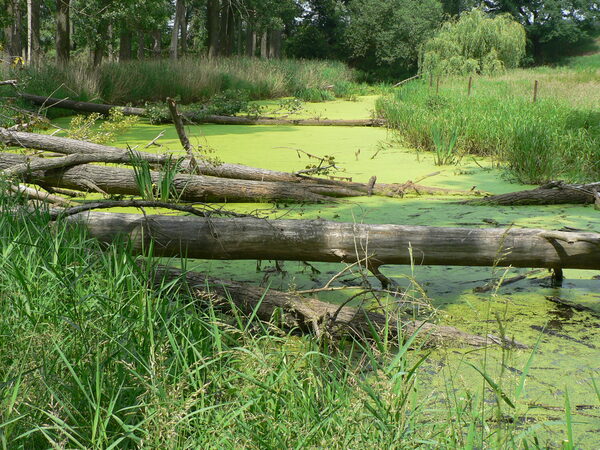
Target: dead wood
(319,240)
(313,315)
(185,142)
(205,210)
(86,107)
(195,188)
(494,284)
(35,194)
(236,171)
(572,305)
(553,193)
(50,102)
(12,83)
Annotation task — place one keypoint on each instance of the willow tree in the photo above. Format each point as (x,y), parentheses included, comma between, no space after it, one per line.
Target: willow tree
(476,43)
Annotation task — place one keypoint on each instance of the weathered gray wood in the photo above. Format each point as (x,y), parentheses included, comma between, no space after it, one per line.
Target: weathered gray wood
(319,240)
(70,146)
(51,102)
(116,180)
(555,193)
(87,107)
(225,170)
(311,314)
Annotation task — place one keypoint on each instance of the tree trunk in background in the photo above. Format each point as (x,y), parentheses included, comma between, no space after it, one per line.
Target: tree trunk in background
(12,31)
(156,43)
(250,40)
(184,31)
(33,31)
(239,38)
(274,43)
(264,48)
(63,45)
(141,49)
(230,32)
(212,26)
(179,12)
(224,18)
(125,45)
(100,45)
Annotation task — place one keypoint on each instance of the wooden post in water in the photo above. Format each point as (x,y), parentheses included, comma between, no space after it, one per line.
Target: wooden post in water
(470,86)
(535,91)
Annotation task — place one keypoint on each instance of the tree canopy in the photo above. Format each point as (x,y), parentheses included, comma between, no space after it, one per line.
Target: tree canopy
(476,43)
(383,38)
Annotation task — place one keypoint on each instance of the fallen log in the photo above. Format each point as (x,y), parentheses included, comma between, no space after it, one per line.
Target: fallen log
(225,170)
(86,107)
(319,240)
(311,314)
(553,193)
(121,181)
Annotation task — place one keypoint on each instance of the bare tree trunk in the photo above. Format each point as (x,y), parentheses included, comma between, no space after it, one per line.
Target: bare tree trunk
(264,47)
(179,12)
(554,193)
(63,45)
(223,32)
(184,32)
(274,43)
(318,240)
(33,31)
(141,50)
(119,181)
(250,40)
(12,31)
(311,314)
(156,45)
(236,171)
(125,44)
(212,25)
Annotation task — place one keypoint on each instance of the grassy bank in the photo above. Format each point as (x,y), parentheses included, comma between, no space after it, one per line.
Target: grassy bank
(91,357)
(558,136)
(191,79)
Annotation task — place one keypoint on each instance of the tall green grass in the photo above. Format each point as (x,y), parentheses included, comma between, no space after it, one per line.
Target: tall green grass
(190,79)
(93,355)
(538,141)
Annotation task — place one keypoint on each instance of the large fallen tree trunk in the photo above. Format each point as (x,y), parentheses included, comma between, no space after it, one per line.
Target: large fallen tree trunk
(86,107)
(225,170)
(319,240)
(311,314)
(116,180)
(553,193)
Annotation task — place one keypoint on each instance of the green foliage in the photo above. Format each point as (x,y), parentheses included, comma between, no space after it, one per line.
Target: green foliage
(444,146)
(161,189)
(385,35)
(537,142)
(86,128)
(554,27)
(476,43)
(97,351)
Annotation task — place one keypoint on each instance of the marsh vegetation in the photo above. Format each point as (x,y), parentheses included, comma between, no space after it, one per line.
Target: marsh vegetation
(106,343)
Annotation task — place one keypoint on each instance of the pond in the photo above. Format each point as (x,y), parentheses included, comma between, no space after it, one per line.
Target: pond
(569,348)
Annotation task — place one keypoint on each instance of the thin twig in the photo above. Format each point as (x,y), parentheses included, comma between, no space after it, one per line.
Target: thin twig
(143,204)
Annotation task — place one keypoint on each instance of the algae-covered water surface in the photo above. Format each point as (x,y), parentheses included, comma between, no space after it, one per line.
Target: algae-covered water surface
(566,358)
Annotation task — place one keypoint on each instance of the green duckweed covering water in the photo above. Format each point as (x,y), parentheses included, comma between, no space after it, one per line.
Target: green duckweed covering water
(567,357)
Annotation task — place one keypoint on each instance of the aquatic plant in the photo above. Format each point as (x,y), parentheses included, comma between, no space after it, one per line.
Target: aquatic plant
(536,141)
